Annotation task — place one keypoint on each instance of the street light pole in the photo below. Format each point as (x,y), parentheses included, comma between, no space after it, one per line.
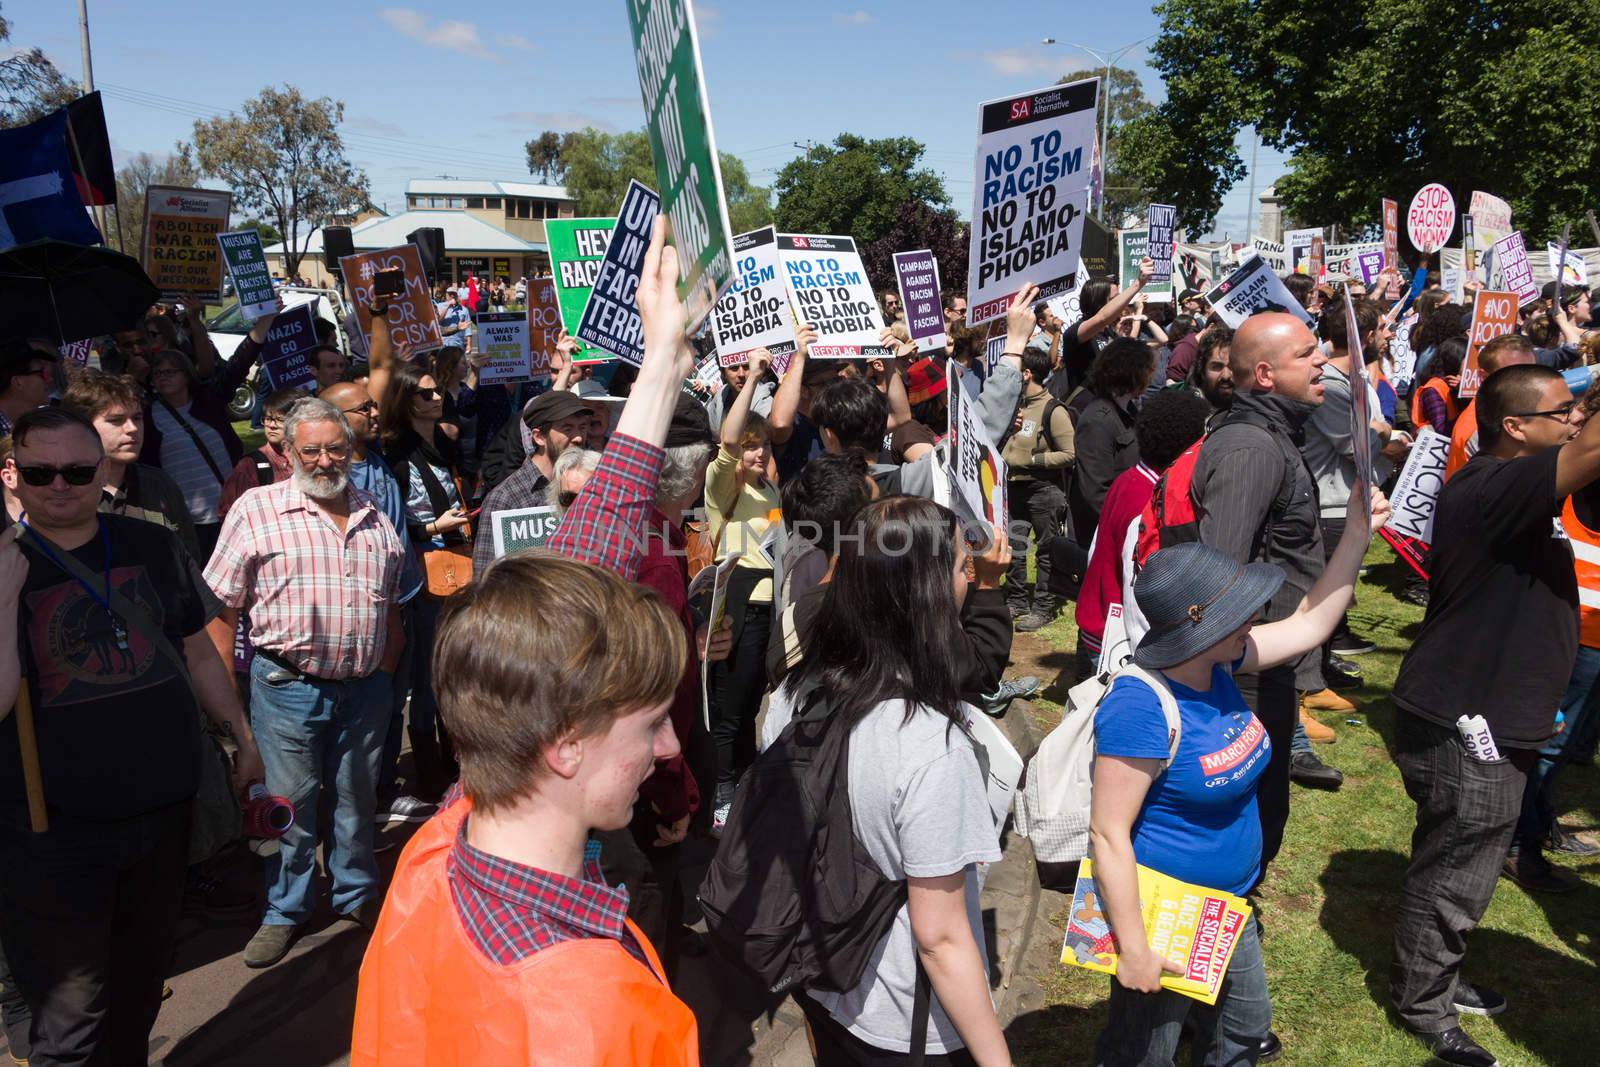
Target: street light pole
(1105,102)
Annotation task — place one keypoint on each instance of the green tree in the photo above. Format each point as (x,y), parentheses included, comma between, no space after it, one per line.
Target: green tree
(282,156)
(1125,191)
(135,176)
(855,187)
(30,85)
(268,232)
(596,167)
(1374,99)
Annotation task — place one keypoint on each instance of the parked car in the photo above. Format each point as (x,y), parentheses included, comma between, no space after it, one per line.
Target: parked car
(229,329)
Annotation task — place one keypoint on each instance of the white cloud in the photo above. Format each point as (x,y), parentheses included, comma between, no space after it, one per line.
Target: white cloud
(1015,62)
(513,40)
(855,18)
(449,34)
(560,121)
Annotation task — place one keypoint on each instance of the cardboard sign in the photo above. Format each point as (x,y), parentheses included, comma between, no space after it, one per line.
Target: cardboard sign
(1416,491)
(576,248)
(1369,264)
(1516,273)
(1431,218)
(247,266)
(413,319)
(610,319)
(917,275)
(688,170)
(1251,288)
(290,338)
(977,473)
(179,251)
(1133,246)
(1314,264)
(1274,253)
(1493,314)
(1298,243)
(1490,212)
(1030,186)
(1161,220)
(520,528)
(828,288)
(1391,233)
(544,325)
(1575,271)
(754,311)
(503,342)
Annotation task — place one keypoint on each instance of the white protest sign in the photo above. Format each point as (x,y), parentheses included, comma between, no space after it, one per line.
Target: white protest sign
(503,341)
(1431,218)
(1299,245)
(1402,360)
(1067,306)
(754,310)
(1251,288)
(1272,252)
(1162,219)
(1416,491)
(1516,273)
(977,473)
(1576,272)
(1030,187)
(1344,261)
(828,288)
(519,528)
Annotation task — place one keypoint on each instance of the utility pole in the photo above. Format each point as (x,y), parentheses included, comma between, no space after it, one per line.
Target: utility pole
(1250,206)
(83,37)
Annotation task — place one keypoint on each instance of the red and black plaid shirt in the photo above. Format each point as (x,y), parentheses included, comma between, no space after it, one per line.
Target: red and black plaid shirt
(512,910)
(608,523)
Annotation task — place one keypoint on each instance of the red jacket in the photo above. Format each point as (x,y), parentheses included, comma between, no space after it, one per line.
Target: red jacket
(1126,499)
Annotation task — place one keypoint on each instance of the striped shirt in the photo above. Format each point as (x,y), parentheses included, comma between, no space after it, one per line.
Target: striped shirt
(317,598)
(201,487)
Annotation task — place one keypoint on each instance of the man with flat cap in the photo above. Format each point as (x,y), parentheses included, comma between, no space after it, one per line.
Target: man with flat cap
(557,420)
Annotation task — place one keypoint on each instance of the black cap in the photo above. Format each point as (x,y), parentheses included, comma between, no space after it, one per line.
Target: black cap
(690,424)
(549,408)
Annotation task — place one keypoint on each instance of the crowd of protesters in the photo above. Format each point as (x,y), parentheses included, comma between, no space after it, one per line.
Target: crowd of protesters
(575,714)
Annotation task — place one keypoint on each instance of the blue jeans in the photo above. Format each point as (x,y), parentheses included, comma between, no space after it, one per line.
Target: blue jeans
(389,764)
(1580,710)
(314,733)
(1142,1029)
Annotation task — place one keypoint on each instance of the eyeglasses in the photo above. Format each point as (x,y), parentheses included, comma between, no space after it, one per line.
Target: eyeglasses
(73,474)
(369,408)
(312,453)
(272,420)
(1564,412)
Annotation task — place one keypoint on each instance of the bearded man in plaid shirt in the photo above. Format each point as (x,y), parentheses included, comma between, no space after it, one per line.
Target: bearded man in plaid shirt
(317,564)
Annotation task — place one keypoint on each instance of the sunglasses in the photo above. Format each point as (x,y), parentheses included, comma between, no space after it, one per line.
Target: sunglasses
(427,394)
(72,474)
(370,407)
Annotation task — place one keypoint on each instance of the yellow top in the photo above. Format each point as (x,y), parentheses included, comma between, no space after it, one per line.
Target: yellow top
(747,513)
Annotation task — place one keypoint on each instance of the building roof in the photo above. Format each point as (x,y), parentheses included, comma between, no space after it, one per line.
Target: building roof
(483,187)
(463,232)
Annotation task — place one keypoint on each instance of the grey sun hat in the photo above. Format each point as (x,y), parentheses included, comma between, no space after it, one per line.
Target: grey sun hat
(1194,596)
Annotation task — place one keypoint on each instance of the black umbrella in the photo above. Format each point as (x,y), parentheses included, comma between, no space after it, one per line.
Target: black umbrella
(66,292)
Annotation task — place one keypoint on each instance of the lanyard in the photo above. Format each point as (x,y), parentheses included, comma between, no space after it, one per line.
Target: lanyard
(119,631)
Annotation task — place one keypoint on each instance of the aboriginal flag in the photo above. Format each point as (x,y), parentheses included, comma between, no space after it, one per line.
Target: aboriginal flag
(89,148)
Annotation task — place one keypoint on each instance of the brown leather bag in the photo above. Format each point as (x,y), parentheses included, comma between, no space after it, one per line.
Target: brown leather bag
(447,570)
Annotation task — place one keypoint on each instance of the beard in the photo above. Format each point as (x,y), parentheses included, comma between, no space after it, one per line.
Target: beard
(321,486)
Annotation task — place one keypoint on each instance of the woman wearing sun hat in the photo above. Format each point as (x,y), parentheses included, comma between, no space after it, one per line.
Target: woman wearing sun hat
(1195,818)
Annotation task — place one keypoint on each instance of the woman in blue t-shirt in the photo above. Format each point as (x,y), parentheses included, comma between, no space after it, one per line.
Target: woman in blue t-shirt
(1193,816)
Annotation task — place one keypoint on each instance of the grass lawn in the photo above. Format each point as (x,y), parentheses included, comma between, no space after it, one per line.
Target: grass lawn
(252,438)
(1329,903)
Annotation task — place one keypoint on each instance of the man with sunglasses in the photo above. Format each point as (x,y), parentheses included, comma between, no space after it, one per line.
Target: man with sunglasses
(89,907)
(317,565)
(1498,641)
(24,381)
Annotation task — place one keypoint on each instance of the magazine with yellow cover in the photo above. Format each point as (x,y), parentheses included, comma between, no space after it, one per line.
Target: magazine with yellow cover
(1194,927)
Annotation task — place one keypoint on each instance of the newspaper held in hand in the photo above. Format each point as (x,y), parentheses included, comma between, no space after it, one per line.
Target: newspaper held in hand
(1194,927)
(1475,735)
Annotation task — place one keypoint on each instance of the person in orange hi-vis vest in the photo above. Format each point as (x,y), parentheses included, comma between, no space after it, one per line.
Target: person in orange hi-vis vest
(1507,350)
(499,941)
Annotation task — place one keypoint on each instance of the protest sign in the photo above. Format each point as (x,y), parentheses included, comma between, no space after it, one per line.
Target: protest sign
(544,325)
(1416,491)
(1314,262)
(1490,212)
(977,473)
(1273,252)
(413,320)
(1493,314)
(76,353)
(1469,243)
(1216,266)
(1343,261)
(828,288)
(1133,246)
(1194,927)
(1369,264)
(503,344)
(519,528)
(1360,407)
(1491,221)
(1160,221)
(672,84)
(1251,288)
(754,309)
(1575,271)
(1451,280)
(1298,243)
(610,319)
(708,372)
(1402,360)
(1030,186)
(1431,218)
(247,265)
(1516,273)
(576,248)
(179,250)
(1067,306)
(917,276)
(290,338)
(1391,233)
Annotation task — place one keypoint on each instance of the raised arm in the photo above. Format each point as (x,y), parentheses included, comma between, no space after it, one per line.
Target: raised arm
(786,401)
(380,350)
(733,423)
(205,352)
(1092,326)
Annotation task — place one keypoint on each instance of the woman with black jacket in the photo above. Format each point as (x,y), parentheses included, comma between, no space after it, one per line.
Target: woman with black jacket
(1104,431)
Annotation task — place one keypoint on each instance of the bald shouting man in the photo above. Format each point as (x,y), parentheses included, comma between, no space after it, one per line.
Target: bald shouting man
(1258,503)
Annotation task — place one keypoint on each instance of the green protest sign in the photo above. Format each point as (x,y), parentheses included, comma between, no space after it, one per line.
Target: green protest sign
(521,528)
(1132,246)
(247,265)
(576,248)
(688,173)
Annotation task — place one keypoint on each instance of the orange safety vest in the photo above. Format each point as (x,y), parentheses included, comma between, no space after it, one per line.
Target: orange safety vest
(1452,406)
(1586,554)
(1465,429)
(428,995)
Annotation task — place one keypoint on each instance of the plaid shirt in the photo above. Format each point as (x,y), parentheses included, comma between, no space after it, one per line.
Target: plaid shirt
(512,910)
(608,523)
(316,597)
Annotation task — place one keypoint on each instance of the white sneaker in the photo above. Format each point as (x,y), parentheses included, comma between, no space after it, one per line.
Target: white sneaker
(719,819)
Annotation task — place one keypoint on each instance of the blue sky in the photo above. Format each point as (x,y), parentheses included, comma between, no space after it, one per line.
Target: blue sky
(450,89)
